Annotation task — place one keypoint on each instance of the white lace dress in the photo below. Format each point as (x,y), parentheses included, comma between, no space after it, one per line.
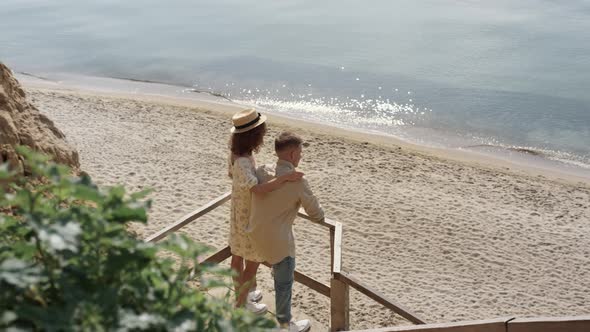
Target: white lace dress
(243,173)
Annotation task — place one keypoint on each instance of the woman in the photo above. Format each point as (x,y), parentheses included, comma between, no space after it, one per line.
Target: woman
(247,136)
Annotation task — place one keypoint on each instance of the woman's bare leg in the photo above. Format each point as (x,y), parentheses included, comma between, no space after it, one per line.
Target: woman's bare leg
(237,264)
(248,278)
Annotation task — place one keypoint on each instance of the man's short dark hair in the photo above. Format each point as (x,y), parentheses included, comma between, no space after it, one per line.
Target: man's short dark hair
(287,140)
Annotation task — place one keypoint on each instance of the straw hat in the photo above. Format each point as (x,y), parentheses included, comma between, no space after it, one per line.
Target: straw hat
(246,120)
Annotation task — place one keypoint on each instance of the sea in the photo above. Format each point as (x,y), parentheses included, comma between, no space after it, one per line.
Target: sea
(504,78)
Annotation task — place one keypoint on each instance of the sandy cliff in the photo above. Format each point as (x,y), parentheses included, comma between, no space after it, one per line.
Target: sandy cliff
(21,123)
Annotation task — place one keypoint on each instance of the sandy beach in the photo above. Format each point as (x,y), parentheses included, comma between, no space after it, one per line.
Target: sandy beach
(449,236)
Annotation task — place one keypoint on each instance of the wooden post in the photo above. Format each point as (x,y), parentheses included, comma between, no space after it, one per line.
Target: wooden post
(331,249)
(339,306)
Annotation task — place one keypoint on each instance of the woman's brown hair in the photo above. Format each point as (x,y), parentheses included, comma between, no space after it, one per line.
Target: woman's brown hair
(243,144)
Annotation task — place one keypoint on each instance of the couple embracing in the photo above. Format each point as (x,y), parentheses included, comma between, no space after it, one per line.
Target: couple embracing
(264,204)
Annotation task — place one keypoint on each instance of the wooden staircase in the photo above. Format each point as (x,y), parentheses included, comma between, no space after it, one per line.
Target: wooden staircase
(341,281)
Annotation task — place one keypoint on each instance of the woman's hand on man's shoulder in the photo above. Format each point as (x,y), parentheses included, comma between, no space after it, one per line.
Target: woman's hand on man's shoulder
(294,176)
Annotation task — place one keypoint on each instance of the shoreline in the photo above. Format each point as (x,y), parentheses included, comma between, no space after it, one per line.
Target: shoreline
(206,101)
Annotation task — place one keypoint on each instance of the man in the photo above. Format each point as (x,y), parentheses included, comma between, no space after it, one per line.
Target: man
(271,224)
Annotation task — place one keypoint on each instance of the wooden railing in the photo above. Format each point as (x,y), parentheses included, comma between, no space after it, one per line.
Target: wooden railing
(187,219)
(340,281)
(506,324)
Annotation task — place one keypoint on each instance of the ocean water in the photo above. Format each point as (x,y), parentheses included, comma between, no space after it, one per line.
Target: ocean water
(510,78)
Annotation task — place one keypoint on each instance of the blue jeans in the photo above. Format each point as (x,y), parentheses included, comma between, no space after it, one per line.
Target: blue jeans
(284,275)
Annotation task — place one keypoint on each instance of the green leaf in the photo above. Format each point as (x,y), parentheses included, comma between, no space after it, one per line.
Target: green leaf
(86,193)
(209,283)
(8,317)
(5,172)
(60,236)
(24,250)
(16,329)
(19,273)
(130,321)
(33,158)
(184,247)
(132,212)
(140,194)
(116,193)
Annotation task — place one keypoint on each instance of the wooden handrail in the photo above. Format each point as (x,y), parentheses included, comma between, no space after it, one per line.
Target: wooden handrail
(219,256)
(326,222)
(550,324)
(488,325)
(203,210)
(380,298)
(340,281)
(503,324)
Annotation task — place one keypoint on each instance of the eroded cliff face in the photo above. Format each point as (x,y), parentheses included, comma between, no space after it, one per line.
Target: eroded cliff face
(21,123)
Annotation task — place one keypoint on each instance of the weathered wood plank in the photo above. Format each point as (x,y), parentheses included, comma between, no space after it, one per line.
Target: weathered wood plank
(332,236)
(331,223)
(337,258)
(550,324)
(339,306)
(219,256)
(380,298)
(189,218)
(309,282)
(488,325)
(312,283)
(301,213)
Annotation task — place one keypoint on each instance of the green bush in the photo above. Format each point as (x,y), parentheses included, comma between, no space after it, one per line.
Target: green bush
(67,262)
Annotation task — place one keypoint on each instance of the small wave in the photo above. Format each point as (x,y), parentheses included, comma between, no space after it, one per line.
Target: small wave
(546,154)
(137,80)
(185,88)
(24,73)
(529,151)
(212,93)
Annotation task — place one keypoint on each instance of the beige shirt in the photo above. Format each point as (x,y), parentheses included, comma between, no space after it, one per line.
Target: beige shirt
(272,215)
